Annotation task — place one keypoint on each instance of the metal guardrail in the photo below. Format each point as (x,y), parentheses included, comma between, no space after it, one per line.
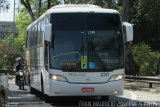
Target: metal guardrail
(146,79)
(8,71)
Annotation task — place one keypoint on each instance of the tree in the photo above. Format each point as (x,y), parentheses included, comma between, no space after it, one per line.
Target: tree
(20,43)
(27,5)
(35,9)
(145,16)
(127,4)
(6,55)
(49,4)
(146,58)
(39,11)
(22,21)
(4,5)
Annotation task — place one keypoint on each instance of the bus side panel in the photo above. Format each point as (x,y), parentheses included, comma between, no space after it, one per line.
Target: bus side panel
(36,68)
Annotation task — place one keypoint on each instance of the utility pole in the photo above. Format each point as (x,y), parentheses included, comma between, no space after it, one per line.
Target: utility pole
(14,25)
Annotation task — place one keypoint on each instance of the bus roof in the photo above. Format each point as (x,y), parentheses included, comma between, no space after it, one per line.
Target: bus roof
(79,8)
(75,8)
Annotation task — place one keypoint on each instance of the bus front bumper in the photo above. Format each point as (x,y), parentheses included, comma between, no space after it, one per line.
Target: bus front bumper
(58,88)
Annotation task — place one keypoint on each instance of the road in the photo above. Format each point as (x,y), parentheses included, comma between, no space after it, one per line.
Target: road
(22,98)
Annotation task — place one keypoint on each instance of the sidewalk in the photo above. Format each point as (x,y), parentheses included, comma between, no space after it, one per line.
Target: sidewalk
(18,97)
(140,86)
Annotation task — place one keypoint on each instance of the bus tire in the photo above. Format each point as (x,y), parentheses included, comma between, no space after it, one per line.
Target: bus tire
(104,98)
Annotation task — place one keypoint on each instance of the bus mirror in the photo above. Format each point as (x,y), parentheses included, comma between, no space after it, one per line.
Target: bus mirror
(128,31)
(48,32)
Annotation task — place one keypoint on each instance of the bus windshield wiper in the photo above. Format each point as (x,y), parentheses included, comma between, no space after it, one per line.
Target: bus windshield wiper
(82,43)
(91,43)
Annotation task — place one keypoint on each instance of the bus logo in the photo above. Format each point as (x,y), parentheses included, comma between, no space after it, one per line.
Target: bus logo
(87,79)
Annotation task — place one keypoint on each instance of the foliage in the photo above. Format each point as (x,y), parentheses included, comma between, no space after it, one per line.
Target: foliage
(36,8)
(22,19)
(6,55)
(27,5)
(43,8)
(20,43)
(4,6)
(145,16)
(147,59)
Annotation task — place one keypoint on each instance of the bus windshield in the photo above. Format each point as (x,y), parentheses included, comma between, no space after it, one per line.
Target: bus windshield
(86,42)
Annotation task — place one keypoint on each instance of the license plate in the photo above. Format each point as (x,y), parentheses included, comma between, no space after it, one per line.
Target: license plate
(87,89)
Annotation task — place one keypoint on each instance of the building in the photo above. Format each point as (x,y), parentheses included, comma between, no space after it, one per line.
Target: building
(7,28)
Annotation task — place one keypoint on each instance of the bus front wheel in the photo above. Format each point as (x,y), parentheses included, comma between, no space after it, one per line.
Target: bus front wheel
(31,90)
(104,98)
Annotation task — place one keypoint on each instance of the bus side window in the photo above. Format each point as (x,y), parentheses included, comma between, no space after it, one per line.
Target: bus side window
(27,36)
(38,34)
(31,38)
(41,32)
(46,56)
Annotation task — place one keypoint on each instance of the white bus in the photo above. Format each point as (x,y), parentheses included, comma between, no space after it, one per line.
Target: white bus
(77,50)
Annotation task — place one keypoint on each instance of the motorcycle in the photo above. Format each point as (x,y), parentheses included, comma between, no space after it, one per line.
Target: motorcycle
(20,79)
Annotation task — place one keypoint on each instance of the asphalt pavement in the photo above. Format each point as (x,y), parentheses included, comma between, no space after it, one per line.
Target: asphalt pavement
(133,97)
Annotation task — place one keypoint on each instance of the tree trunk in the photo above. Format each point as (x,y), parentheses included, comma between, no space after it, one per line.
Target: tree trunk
(126,10)
(158,65)
(130,66)
(109,3)
(49,4)
(28,7)
(39,10)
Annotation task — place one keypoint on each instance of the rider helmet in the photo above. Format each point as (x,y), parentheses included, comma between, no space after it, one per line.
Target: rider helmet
(19,59)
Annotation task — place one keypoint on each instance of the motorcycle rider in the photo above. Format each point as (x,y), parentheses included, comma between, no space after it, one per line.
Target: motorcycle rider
(19,66)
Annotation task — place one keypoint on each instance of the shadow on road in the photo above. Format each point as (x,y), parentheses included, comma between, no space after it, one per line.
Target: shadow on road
(94,102)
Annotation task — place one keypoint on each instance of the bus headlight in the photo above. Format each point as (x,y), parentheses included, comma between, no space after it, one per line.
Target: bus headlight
(58,77)
(116,77)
